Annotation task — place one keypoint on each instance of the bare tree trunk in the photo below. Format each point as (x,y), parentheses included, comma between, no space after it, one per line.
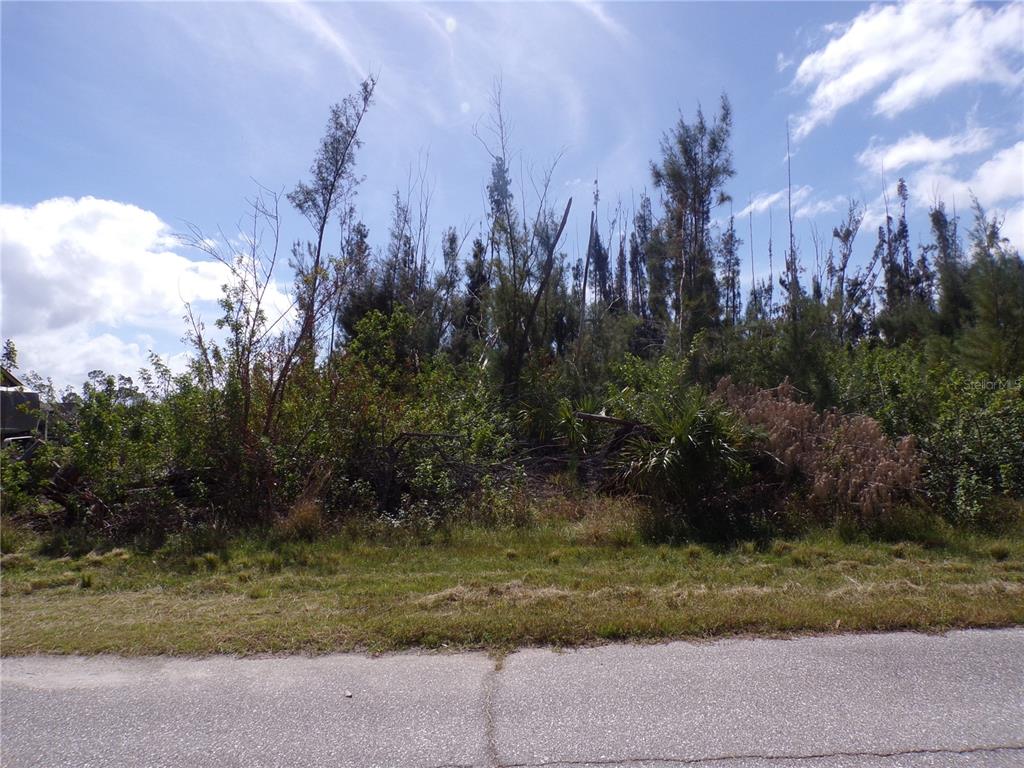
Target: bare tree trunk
(791,263)
(583,292)
(548,266)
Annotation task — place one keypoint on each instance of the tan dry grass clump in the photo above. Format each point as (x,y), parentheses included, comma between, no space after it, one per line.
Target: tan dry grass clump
(851,468)
(304,521)
(512,593)
(617,521)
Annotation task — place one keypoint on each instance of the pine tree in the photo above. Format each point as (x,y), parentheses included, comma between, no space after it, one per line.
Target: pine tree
(994,343)
(327,193)
(789,281)
(620,297)
(954,304)
(837,270)
(907,308)
(357,253)
(400,274)
(470,323)
(893,252)
(358,283)
(601,266)
(638,240)
(658,276)
(729,270)
(439,306)
(695,165)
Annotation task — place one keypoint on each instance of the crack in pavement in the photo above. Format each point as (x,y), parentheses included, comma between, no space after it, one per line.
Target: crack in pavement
(490,685)
(525,715)
(724,758)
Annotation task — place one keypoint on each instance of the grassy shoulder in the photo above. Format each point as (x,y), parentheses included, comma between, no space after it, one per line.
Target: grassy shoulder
(557,582)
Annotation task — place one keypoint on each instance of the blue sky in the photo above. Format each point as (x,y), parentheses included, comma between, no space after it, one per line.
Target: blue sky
(122,122)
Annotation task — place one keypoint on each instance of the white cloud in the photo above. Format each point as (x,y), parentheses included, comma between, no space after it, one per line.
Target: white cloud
(1013,225)
(873,216)
(68,357)
(912,52)
(70,261)
(450,25)
(805,204)
(92,283)
(765,200)
(916,149)
(782,63)
(818,207)
(996,181)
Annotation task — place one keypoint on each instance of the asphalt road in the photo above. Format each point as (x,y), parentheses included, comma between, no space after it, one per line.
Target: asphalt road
(889,700)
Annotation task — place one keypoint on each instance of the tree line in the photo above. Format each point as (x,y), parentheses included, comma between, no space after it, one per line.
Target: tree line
(401,382)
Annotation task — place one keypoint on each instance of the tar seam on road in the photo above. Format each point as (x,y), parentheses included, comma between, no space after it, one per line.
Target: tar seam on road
(490,729)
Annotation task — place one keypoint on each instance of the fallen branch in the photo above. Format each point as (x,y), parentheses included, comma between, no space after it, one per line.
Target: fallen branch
(602,419)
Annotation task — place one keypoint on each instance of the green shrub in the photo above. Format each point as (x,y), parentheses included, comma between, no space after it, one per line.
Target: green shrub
(968,425)
(911,523)
(688,457)
(975,450)
(270,562)
(412,446)
(16,490)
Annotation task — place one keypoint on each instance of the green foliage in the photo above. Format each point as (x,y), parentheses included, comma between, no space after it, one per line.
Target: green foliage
(894,385)
(120,441)
(383,343)
(969,425)
(690,451)
(401,398)
(407,442)
(641,390)
(994,343)
(686,454)
(16,489)
(695,164)
(975,451)
(9,356)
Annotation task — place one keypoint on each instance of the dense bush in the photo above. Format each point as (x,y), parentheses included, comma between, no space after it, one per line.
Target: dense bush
(421,438)
(975,451)
(745,458)
(689,458)
(673,447)
(392,439)
(969,426)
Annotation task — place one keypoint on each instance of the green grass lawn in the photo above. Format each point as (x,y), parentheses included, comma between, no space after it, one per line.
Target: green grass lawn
(496,590)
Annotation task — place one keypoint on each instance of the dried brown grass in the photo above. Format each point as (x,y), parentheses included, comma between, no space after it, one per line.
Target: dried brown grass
(304,521)
(851,469)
